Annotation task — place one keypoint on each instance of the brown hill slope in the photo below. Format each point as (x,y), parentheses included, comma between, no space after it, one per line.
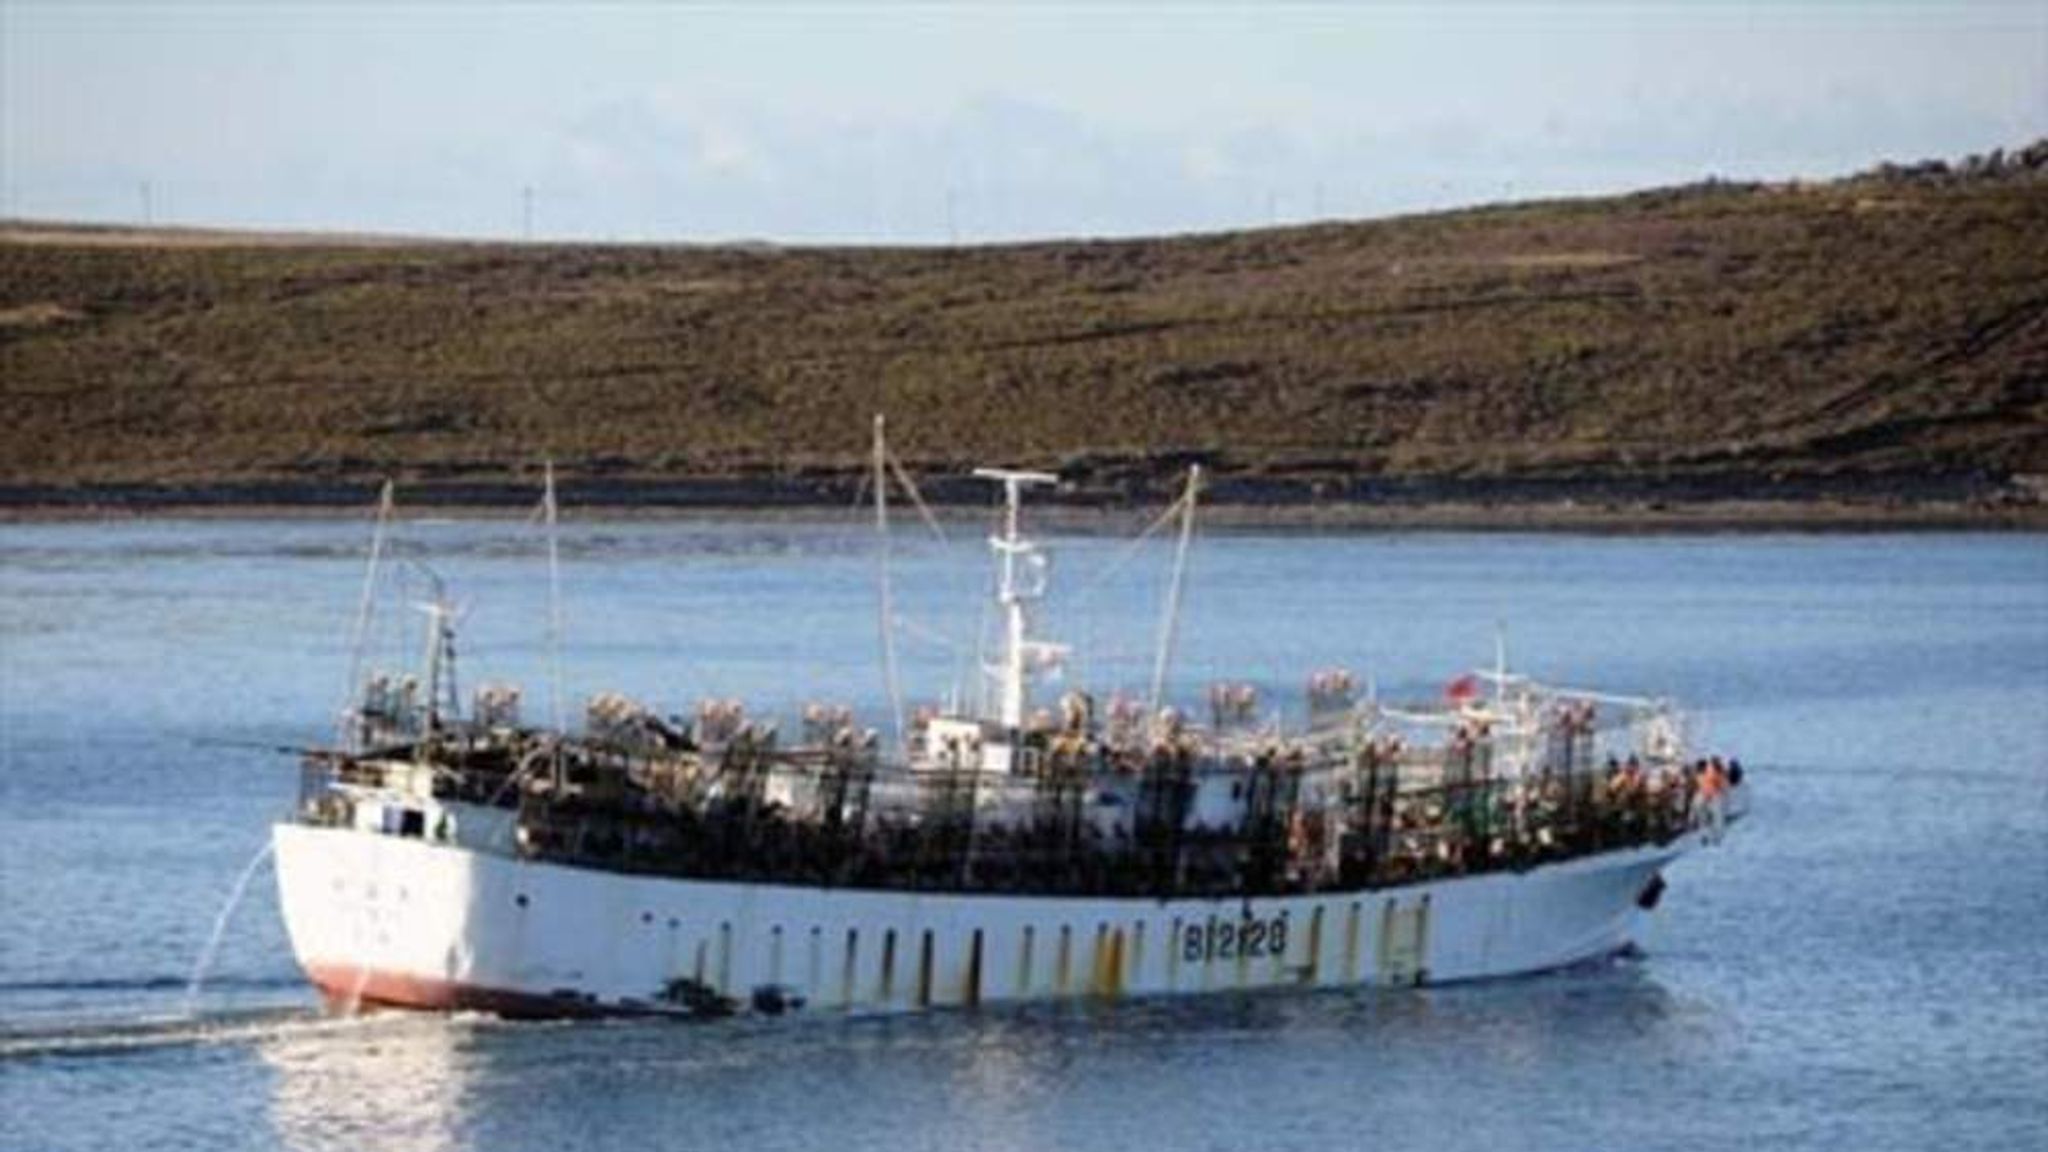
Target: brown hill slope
(1884,337)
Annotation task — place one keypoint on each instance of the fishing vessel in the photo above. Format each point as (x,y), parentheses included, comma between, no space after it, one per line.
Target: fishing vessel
(1015,848)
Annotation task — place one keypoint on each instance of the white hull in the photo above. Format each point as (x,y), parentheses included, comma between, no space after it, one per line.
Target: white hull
(381,919)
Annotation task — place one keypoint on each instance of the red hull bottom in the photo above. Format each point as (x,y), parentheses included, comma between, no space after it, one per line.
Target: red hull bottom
(350,990)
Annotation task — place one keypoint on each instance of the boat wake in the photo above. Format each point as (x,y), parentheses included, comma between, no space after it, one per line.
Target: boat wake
(158,983)
(146,1034)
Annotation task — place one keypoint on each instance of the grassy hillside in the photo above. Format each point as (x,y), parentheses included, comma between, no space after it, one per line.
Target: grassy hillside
(1884,337)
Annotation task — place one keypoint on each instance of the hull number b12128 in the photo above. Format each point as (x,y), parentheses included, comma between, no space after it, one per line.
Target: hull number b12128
(1221,938)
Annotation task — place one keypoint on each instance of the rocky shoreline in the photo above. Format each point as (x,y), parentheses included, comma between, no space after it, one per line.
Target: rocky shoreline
(1560,504)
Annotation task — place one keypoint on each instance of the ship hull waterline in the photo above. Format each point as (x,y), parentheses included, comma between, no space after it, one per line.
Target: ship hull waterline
(387,921)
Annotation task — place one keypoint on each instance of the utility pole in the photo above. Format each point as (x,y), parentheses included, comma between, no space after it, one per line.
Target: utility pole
(526,212)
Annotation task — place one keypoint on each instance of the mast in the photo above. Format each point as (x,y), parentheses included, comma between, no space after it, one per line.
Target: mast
(355,661)
(1500,663)
(886,605)
(440,658)
(549,510)
(1011,549)
(1169,621)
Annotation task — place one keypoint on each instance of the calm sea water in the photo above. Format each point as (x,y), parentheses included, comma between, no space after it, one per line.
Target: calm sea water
(1863,965)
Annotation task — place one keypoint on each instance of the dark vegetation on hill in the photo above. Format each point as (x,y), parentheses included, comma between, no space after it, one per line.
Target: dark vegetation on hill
(1883,338)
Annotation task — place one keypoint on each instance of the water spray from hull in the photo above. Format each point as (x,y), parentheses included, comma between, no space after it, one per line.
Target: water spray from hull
(220,927)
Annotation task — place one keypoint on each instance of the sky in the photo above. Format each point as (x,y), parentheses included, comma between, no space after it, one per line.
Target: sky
(965,122)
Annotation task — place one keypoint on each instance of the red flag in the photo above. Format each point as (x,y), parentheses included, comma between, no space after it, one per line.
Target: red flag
(1463,688)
